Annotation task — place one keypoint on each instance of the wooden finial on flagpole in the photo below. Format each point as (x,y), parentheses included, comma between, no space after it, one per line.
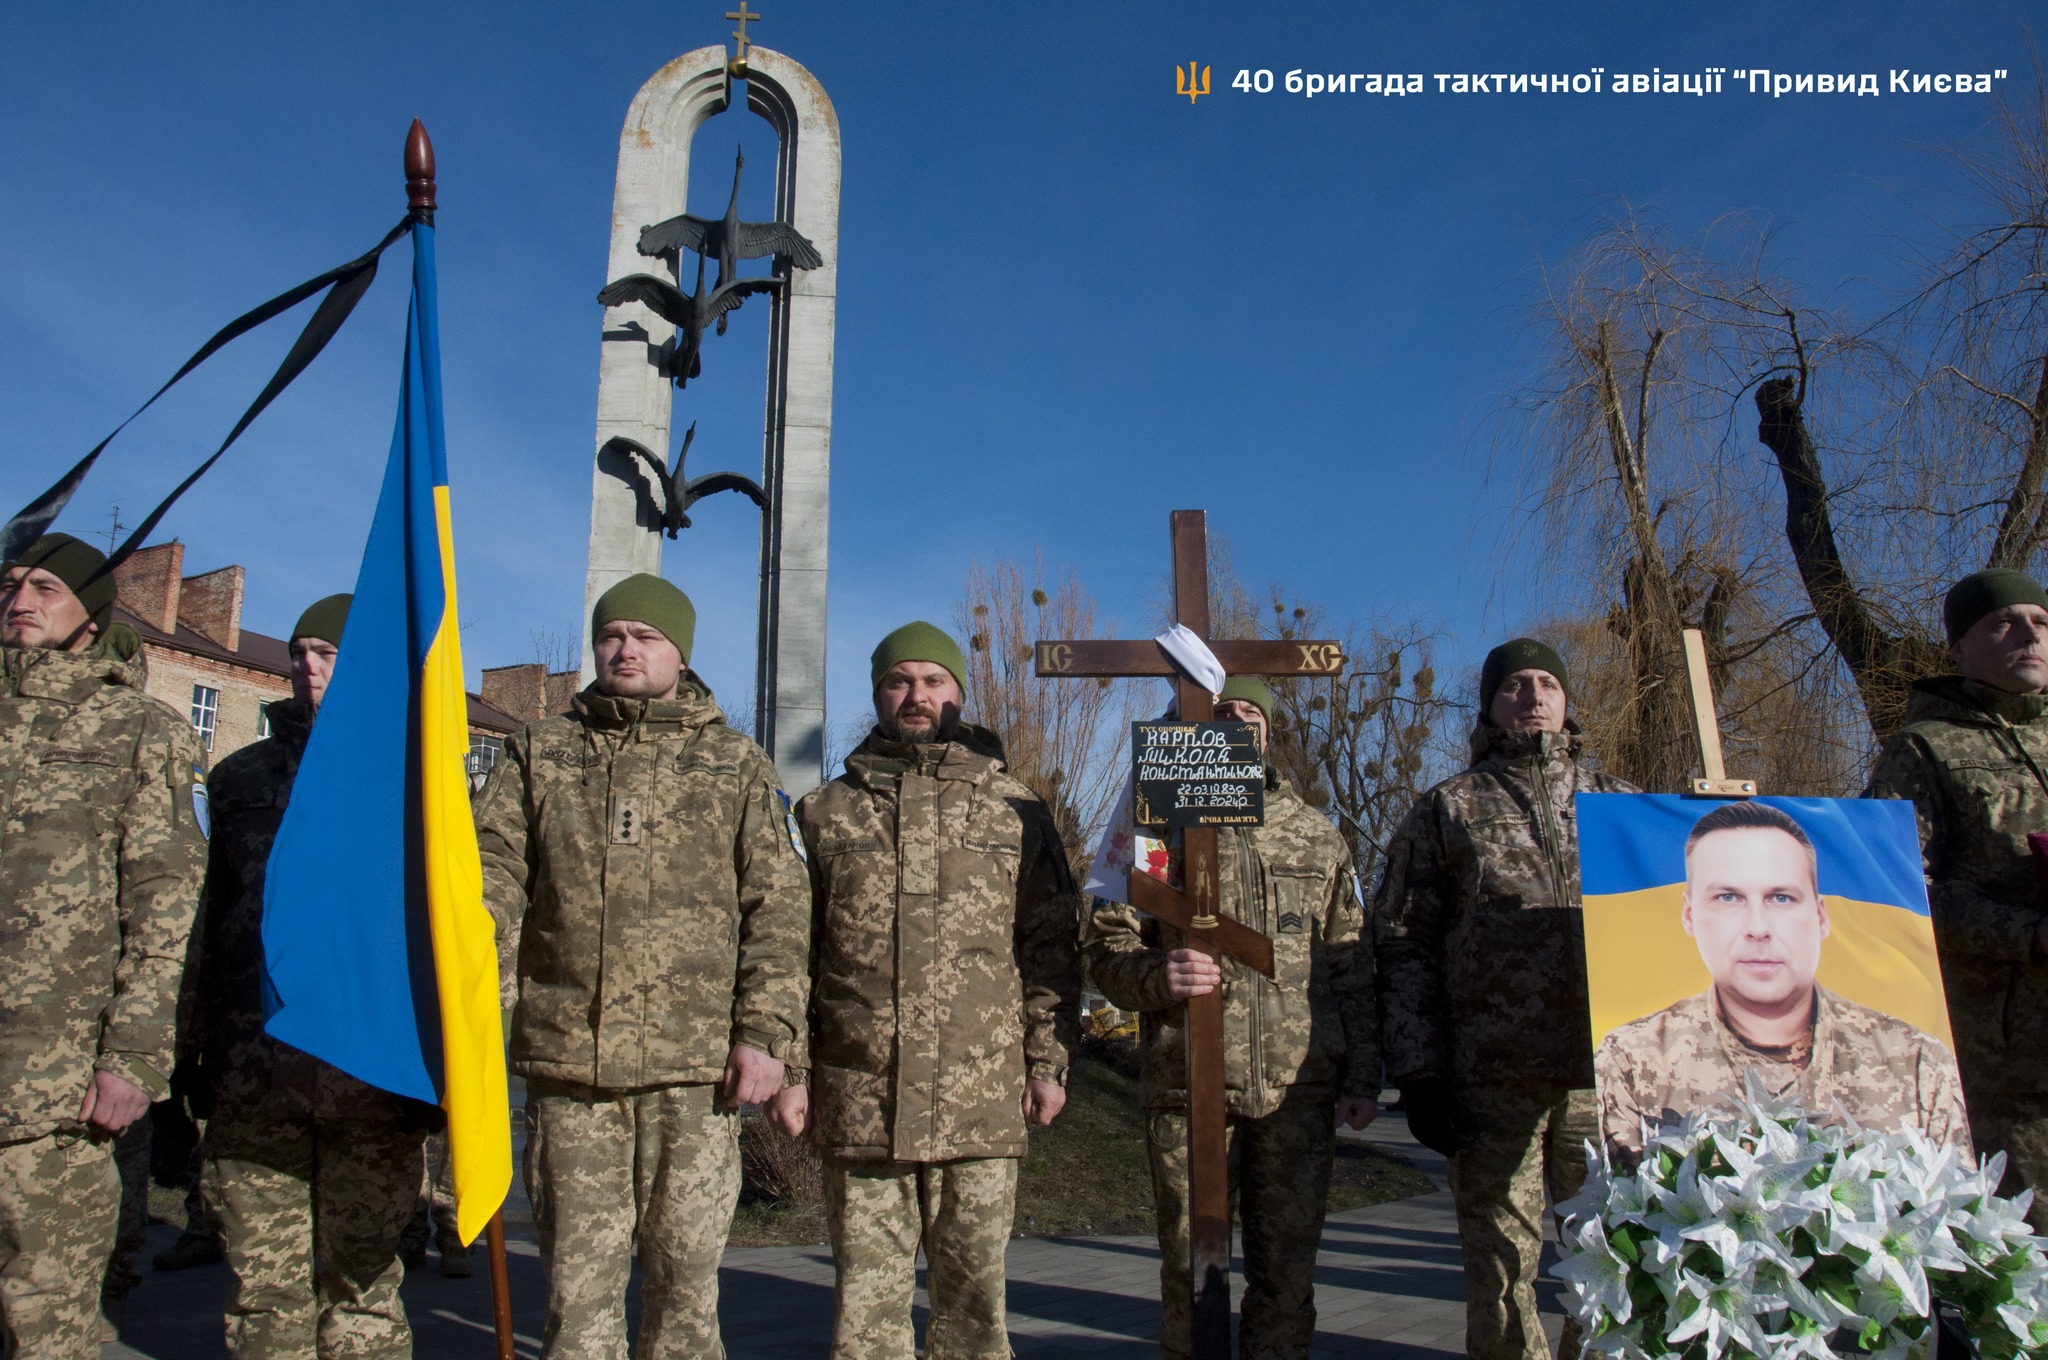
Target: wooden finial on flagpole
(1717,784)
(419,173)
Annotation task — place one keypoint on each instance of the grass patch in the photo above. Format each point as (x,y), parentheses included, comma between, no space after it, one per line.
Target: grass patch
(1086,1174)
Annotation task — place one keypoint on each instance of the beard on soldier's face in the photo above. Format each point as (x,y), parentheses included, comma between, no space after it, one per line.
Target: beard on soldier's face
(919,727)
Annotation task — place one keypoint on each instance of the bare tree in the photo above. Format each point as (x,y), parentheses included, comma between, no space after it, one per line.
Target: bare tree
(555,651)
(1361,746)
(1067,739)
(1952,478)
(1906,452)
(1650,341)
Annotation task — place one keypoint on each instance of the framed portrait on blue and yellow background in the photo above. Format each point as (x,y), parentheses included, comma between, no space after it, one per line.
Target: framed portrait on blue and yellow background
(1784,940)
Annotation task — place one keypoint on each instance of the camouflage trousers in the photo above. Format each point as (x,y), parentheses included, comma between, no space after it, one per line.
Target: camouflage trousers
(309,1212)
(59,1198)
(876,1214)
(131,1163)
(2019,1129)
(433,1213)
(605,1169)
(1524,1141)
(1280,1184)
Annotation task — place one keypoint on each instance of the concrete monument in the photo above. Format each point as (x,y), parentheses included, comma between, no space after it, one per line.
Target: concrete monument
(635,397)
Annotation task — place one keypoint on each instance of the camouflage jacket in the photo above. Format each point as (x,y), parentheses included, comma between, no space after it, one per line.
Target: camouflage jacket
(101,851)
(1972,759)
(1480,937)
(641,855)
(1310,1030)
(1862,1065)
(944,965)
(248,1073)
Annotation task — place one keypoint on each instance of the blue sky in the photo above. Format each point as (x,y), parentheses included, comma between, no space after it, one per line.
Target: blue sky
(1069,300)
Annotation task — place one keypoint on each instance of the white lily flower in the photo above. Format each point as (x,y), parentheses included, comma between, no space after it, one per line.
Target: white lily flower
(1598,1278)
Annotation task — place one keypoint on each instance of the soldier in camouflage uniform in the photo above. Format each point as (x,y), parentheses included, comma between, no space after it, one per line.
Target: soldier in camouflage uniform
(1753,903)
(1300,1052)
(1482,986)
(101,850)
(946,995)
(1973,759)
(310,1172)
(639,852)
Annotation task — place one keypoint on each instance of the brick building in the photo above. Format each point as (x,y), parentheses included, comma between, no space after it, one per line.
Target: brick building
(203,663)
(525,694)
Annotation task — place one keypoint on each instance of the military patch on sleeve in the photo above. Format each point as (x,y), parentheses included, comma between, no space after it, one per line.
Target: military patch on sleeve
(202,813)
(796,837)
(1290,922)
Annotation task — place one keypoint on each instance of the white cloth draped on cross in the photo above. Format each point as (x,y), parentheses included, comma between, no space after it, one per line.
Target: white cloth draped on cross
(1123,845)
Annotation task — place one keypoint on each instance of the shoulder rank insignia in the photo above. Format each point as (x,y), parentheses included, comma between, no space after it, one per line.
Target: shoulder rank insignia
(796,837)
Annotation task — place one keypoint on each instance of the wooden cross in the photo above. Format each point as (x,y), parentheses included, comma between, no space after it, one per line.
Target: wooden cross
(742,16)
(1195,912)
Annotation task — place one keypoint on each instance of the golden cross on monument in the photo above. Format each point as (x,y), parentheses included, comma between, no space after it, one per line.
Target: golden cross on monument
(1194,913)
(738,65)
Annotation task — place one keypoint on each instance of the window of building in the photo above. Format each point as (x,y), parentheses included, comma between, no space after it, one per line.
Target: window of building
(483,753)
(205,708)
(262,721)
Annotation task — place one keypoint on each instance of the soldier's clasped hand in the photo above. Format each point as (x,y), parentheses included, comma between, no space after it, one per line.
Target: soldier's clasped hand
(112,1103)
(789,1110)
(1190,972)
(1043,1100)
(1356,1111)
(751,1076)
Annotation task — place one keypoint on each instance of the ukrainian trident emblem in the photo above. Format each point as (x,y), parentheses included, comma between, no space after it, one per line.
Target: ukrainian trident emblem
(1187,83)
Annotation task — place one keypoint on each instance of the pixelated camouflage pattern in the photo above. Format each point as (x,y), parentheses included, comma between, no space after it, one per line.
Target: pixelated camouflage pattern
(877,1213)
(247,1073)
(1971,759)
(1287,1153)
(100,861)
(638,861)
(1871,1067)
(310,1213)
(1311,1028)
(131,1226)
(1523,1141)
(944,951)
(1480,933)
(591,1156)
(59,1198)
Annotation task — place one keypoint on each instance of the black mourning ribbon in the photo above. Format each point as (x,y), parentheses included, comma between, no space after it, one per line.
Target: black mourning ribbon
(345,285)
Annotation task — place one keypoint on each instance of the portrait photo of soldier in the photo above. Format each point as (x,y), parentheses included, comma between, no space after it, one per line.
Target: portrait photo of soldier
(1754,909)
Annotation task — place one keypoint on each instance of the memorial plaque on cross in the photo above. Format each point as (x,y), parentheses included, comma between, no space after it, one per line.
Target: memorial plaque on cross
(1195,912)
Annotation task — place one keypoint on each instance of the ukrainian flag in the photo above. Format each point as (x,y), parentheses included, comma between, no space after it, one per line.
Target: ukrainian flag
(1880,947)
(380,956)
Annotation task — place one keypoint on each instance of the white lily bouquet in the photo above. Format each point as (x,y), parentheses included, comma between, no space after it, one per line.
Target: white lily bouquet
(1769,1235)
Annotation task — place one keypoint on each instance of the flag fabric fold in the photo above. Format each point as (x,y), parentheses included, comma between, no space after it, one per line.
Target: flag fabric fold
(379,955)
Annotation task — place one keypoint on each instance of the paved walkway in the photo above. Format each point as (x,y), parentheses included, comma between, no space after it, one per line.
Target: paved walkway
(1388,1285)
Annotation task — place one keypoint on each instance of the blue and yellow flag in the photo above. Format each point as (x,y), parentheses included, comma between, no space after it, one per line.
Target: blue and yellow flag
(1879,951)
(380,956)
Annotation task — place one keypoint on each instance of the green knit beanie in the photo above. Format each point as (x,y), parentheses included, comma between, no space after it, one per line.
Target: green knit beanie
(1977,594)
(73,563)
(324,619)
(1520,654)
(650,600)
(918,641)
(1252,690)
